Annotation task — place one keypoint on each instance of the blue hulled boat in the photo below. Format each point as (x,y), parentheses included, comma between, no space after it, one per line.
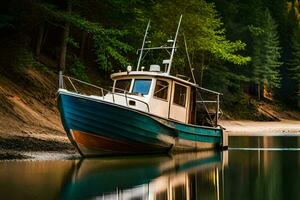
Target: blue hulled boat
(147,111)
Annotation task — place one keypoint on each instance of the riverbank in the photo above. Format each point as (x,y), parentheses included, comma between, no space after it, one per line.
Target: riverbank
(34,147)
(283,127)
(30,126)
(56,146)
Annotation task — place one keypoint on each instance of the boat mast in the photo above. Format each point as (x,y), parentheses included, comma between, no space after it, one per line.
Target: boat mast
(174,46)
(141,54)
(189,60)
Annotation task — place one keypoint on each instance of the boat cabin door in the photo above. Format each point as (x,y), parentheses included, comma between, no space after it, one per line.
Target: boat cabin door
(179,102)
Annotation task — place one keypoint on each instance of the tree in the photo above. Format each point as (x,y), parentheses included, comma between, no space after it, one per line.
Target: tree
(205,36)
(294,64)
(107,42)
(64,42)
(266,53)
(202,26)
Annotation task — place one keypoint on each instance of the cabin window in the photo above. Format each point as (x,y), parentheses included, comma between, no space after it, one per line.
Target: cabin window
(141,86)
(162,195)
(180,95)
(122,85)
(161,89)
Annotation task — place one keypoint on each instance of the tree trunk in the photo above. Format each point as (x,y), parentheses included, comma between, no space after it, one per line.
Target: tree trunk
(298,96)
(263,91)
(258,91)
(82,46)
(39,40)
(64,43)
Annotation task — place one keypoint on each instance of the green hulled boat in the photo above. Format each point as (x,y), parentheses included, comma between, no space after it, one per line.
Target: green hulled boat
(147,111)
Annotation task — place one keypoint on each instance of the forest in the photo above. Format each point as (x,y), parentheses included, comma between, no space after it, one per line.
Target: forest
(249,50)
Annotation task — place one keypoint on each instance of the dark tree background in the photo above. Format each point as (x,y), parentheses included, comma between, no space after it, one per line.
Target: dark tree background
(247,49)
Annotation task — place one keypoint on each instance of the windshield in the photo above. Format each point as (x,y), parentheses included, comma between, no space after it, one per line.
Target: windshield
(141,86)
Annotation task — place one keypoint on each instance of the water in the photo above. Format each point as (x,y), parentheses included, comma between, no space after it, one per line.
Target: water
(253,168)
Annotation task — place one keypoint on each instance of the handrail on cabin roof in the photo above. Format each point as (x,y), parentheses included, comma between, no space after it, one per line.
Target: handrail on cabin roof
(156,48)
(207,90)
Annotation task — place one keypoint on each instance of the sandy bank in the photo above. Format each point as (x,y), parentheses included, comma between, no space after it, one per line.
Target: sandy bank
(30,126)
(243,127)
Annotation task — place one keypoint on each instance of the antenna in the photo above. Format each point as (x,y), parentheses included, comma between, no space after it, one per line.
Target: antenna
(188,57)
(141,54)
(174,46)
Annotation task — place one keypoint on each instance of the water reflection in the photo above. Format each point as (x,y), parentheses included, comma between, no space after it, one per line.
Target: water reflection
(264,142)
(182,176)
(33,179)
(263,168)
(240,173)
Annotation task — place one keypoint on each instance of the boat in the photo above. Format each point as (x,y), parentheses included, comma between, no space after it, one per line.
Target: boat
(153,177)
(148,110)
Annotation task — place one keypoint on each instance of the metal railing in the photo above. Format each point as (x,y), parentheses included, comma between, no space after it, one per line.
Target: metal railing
(218,112)
(103,92)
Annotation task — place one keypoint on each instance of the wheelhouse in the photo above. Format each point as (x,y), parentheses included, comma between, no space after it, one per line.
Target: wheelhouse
(167,96)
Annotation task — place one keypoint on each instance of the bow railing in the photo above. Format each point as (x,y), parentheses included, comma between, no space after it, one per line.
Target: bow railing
(84,88)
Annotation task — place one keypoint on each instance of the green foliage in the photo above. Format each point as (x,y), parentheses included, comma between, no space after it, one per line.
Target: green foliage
(214,57)
(78,70)
(266,51)
(201,24)
(203,29)
(294,65)
(107,50)
(108,45)
(73,43)
(244,107)
(17,57)
(256,31)
(24,58)
(294,62)
(217,32)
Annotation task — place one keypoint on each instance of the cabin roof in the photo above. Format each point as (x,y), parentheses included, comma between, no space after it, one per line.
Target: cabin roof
(164,75)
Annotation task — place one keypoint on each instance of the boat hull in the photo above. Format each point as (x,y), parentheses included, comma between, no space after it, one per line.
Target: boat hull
(97,127)
(92,144)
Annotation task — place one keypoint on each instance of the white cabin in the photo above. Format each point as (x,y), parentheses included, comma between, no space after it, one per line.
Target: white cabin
(166,96)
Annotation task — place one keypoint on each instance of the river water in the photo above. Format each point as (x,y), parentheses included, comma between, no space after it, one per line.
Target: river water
(253,168)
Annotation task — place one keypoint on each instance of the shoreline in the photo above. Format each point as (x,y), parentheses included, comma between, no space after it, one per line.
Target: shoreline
(41,146)
(37,146)
(258,128)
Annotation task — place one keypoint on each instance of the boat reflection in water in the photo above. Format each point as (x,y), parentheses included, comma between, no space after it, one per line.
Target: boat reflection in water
(181,176)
